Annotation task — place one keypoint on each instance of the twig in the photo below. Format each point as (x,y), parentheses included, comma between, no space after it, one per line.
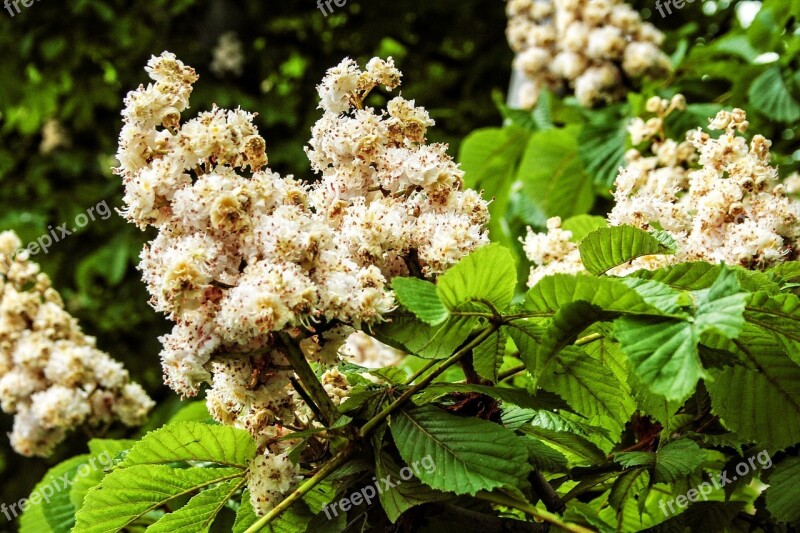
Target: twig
(302,490)
(310,381)
(455,358)
(502,499)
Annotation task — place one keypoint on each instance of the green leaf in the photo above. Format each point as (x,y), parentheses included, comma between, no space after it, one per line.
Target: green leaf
(702,516)
(634,459)
(674,461)
(488,274)
(193,441)
(127,494)
(106,452)
(583,225)
(592,390)
(784,491)
(420,297)
(779,313)
(297,518)
(627,486)
(555,291)
(513,396)
(487,357)
(410,334)
(193,412)
(199,513)
(406,494)
(563,330)
(677,459)
(602,150)
(545,458)
(470,454)
(577,445)
(659,295)
(761,404)
(245,515)
(558,422)
(52,508)
(721,307)
(770,95)
(553,176)
(489,158)
(663,352)
(606,248)
(527,335)
(683,276)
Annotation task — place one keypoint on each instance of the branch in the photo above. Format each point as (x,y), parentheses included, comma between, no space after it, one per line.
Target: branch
(310,381)
(502,499)
(302,490)
(455,358)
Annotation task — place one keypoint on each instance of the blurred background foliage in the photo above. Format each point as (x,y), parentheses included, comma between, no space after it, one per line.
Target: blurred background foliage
(73,62)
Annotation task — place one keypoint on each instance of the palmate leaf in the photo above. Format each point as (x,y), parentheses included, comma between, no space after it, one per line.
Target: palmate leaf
(193,441)
(127,494)
(420,297)
(761,403)
(664,350)
(606,248)
(683,276)
(527,335)
(470,454)
(659,295)
(488,274)
(784,491)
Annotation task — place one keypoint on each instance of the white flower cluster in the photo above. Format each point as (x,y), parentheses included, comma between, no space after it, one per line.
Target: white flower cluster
(592,46)
(52,377)
(243,253)
(719,198)
(228,55)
